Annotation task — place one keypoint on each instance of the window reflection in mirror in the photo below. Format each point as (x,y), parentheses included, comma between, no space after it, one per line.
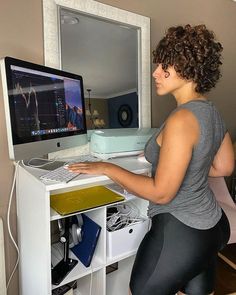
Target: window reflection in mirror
(105,54)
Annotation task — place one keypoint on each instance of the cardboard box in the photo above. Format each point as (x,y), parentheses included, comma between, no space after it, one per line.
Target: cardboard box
(127,239)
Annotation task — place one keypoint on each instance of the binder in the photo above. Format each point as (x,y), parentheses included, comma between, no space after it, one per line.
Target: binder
(84,199)
(90,234)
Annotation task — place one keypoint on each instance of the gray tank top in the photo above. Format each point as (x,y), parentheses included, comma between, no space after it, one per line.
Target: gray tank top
(194,203)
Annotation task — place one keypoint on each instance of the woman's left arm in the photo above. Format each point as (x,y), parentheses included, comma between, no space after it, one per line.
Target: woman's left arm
(223,163)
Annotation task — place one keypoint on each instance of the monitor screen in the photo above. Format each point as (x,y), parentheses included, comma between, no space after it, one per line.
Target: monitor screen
(44,108)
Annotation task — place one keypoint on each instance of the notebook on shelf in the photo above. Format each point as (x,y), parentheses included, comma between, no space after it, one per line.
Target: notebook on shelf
(90,234)
(84,199)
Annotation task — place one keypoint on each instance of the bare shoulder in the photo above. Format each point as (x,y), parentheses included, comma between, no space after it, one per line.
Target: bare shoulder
(182,118)
(184,123)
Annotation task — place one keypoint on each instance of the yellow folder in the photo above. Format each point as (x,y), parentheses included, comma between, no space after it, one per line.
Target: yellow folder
(80,200)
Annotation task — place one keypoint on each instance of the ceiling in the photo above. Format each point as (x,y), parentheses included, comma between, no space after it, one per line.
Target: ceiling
(105,54)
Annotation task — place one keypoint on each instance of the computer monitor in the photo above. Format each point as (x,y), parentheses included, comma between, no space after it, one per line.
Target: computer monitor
(44,109)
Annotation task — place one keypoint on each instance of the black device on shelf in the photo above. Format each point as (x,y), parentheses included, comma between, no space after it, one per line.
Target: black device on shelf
(65,288)
(61,270)
(61,290)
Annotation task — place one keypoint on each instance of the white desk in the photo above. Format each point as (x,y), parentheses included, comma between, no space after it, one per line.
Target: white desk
(35,223)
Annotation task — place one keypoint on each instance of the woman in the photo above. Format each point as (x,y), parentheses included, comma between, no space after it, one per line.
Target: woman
(188,226)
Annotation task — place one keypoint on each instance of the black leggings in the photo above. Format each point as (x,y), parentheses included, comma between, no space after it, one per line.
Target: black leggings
(175,257)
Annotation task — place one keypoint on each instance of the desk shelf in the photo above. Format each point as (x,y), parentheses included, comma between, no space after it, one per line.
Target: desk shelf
(36,226)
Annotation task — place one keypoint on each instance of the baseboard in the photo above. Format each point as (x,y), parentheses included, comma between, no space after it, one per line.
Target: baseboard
(229,262)
(228,254)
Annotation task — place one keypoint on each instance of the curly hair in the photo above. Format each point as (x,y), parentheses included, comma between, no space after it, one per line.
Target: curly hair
(193,52)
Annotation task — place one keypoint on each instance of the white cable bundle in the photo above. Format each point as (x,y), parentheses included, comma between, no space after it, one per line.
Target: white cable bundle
(125,215)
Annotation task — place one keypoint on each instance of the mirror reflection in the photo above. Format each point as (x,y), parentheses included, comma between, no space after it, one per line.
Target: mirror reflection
(105,54)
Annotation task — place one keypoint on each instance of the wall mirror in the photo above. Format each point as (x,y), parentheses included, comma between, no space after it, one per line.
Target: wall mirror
(88,38)
(105,53)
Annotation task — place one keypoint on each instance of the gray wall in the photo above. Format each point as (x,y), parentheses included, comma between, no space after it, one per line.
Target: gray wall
(21,34)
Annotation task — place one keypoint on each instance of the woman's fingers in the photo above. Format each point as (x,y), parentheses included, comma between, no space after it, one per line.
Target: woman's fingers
(87,167)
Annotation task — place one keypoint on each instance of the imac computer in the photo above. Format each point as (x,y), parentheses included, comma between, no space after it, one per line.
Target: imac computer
(44,109)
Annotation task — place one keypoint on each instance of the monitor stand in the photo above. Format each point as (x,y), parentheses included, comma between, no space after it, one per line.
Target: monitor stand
(60,271)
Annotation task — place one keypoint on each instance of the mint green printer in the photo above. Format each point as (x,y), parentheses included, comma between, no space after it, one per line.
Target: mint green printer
(113,143)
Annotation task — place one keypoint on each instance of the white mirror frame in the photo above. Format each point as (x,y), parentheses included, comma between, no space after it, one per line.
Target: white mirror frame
(52,50)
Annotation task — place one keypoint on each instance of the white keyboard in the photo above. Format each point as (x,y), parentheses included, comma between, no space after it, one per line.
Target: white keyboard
(86,158)
(63,175)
